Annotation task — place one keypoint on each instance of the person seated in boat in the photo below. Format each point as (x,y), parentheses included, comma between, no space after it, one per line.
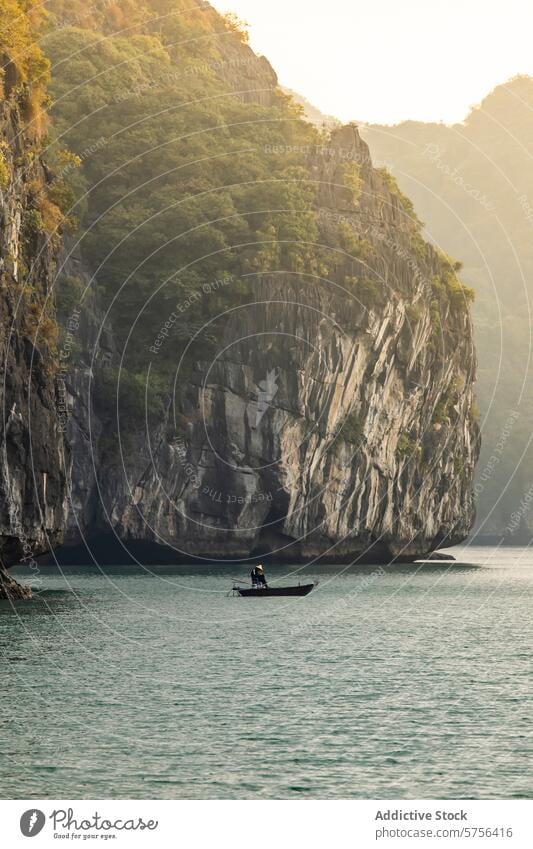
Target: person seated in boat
(258,577)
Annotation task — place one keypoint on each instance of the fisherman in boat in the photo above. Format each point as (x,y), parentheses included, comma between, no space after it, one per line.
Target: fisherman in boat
(258,578)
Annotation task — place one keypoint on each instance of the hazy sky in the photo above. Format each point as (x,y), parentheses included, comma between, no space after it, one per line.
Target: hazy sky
(388,60)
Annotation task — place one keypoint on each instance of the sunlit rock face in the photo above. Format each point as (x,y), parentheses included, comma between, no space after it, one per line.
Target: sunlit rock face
(332,418)
(33,470)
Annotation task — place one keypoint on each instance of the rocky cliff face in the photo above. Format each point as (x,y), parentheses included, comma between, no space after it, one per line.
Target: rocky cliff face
(333,418)
(33,468)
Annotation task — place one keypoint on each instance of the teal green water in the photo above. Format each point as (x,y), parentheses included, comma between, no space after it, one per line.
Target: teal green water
(395,682)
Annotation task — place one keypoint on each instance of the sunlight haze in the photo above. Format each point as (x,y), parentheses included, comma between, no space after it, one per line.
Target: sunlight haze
(386,61)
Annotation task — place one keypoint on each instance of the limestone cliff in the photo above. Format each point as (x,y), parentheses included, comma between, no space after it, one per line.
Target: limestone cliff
(264,354)
(33,469)
(335,418)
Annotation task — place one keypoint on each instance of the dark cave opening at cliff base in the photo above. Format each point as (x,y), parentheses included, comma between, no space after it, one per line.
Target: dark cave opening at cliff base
(273,547)
(106,550)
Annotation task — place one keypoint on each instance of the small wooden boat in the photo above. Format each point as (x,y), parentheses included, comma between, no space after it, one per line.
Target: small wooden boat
(268,592)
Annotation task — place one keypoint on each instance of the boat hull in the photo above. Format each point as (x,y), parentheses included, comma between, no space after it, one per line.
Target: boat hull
(269,592)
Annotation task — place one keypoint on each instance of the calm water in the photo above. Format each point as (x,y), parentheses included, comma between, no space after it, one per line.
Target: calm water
(407,681)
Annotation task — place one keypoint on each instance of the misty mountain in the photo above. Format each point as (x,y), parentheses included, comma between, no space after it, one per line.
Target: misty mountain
(311,113)
(472,184)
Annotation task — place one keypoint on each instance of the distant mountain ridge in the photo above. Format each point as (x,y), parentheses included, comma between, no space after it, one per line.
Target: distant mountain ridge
(311,113)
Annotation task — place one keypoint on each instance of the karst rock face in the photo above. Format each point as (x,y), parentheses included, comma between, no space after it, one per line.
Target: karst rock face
(333,419)
(34,473)
(326,413)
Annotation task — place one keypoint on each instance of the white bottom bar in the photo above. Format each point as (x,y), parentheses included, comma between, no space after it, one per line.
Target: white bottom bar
(268,824)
